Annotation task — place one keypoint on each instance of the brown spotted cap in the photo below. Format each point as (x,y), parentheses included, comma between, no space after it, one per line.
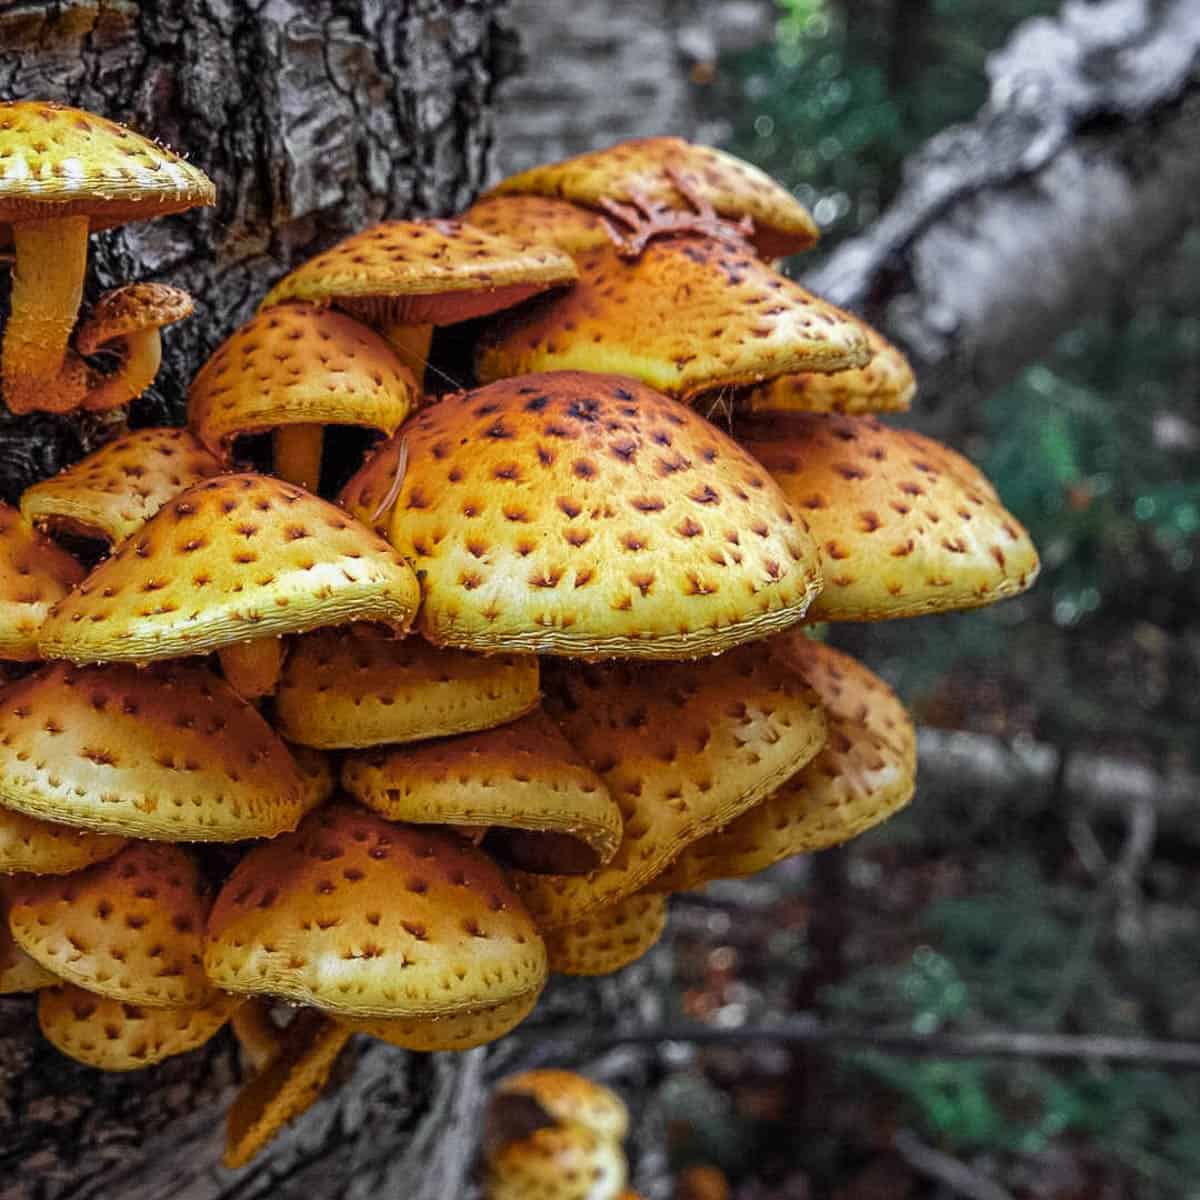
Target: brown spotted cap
(432,272)
(643,167)
(131,928)
(170,753)
(34,575)
(34,847)
(567,1096)
(684,749)
(115,1035)
(58,162)
(689,316)
(299,365)
(609,939)
(587,515)
(453,1031)
(341,689)
(541,220)
(131,309)
(115,491)
(560,1162)
(233,559)
(905,526)
(18,972)
(364,918)
(522,776)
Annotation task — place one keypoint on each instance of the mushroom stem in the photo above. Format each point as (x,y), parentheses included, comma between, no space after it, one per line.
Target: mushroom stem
(411,343)
(298,454)
(252,668)
(141,356)
(259,1037)
(40,370)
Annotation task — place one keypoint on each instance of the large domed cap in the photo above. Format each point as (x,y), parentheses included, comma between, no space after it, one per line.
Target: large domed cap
(885,384)
(905,525)
(688,316)
(169,753)
(364,918)
(560,1162)
(522,776)
(115,1035)
(235,558)
(341,689)
(115,491)
(643,167)
(684,749)
(299,365)
(35,847)
(451,1031)
(608,940)
(34,575)
(586,515)
(541,220)
(567,1096)
(439,272)
(131,928)
(57,161)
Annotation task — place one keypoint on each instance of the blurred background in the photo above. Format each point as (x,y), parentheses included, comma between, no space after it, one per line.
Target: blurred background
(1044,879)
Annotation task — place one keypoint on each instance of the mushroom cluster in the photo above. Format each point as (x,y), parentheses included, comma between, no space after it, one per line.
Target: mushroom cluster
(317,761)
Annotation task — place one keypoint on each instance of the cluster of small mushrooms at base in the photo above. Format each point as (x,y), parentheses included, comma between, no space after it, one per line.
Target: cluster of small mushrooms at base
(315,760)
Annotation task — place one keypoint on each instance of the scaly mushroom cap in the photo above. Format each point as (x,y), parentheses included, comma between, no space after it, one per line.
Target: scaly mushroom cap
(59,161)
(299,365)
(540,220)
(115,491)
(34,575)
(235,558)
(370,494)
(567,1096)
(131,928)
(560,1162)
(364,918)
(129,309)
(610,939)
(643,166)
(114,1035)
(582,514)
(435,272)
(170,753)
(521,776)
(340,690)
(859,779)
(18,972)
(905,526)
(33,847)
(885,384)
(689,316)
(452,1032)
(684,748)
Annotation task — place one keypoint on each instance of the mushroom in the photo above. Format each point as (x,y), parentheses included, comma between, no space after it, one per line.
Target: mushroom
(230,565)
(450,1032)
(66,174)
(18,972)
(131,927)
(30,846)
(169,753)
(560,1162)
(905,526)
(567,1096)
(576,514)
(684,749)
(611,938)
(520,777)
(125,322)
(114,491)
(294,369)
(342,690)
(541,220)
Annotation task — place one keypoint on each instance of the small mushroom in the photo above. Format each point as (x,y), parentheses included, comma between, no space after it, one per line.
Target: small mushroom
(610,939)
(561,1162)
(68,173)
(30,846)
(567,1096)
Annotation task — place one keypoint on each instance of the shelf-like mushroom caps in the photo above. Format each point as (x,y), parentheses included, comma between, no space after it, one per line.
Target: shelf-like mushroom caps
(343,690)
(650,169)
(131,928)
(125,323)
(609,939)
(114,1035)
(541,220)
(115,490)
(169,753)
(688,316)
(34,575)
(451,1032)
(865,773)
(684,749)
(905,526)
(367,919)
(587,515)
(560,1162)
(520,777)
(292,370)
(67,173)
(29,846)
(568,1096)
